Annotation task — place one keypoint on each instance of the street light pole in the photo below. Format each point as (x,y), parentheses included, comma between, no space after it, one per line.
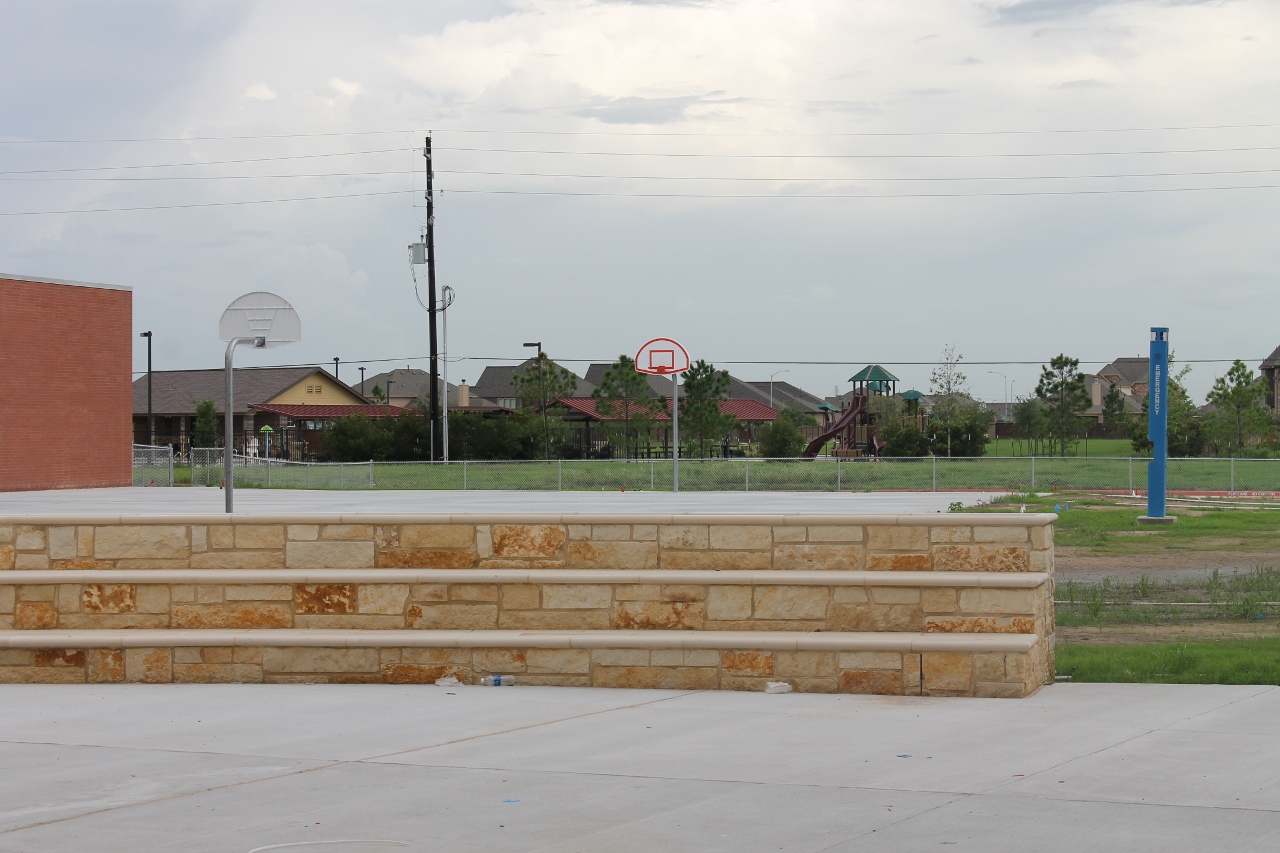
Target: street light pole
(362,381)
(771,375)
(335,368)
(542,392)
(151,418)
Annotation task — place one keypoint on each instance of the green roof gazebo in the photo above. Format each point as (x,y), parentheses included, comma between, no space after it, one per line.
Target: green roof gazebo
(874,380)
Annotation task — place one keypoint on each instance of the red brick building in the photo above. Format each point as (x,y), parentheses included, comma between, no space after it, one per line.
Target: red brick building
(66,401)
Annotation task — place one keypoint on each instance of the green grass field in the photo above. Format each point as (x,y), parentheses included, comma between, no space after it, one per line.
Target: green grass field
(1093,447)
(1249,661)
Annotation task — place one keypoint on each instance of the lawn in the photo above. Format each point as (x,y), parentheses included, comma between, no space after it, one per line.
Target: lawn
(1250,661)
(1090,448)
(1101,526)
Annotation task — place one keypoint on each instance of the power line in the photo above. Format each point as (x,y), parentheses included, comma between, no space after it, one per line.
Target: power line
(205,163)
(848,363)
(862,156)
(775,197)
(765,134)
(751,179)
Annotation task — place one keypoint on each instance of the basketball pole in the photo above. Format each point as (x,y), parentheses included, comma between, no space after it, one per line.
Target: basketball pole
(434,394)
(229,433)
(675,433)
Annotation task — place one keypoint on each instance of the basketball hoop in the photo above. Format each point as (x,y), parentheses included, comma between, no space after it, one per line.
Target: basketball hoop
(662,357)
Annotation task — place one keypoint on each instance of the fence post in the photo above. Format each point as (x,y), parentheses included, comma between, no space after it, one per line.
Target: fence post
(464,475)
(268,472)
(1131,491)
(838,473)
(1033,472)
(746,470)
(560,475)
(1233,476)
(935,473)
(651,475)
(342,482)
(171,467)
(371,473)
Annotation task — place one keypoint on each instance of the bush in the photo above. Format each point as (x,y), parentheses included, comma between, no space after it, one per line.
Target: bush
(781,439)
(904,440)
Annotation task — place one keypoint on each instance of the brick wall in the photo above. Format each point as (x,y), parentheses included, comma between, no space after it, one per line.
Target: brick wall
(65,395)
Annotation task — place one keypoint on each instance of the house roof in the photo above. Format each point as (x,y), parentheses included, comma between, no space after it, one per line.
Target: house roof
(1129,370)
(175,390)
(786,394)
(407,382)
(873,373)
(495,382)
(305,411)
(746,410)
(1272,360)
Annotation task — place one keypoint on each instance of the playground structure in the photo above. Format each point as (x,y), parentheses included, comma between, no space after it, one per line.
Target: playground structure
(855,431)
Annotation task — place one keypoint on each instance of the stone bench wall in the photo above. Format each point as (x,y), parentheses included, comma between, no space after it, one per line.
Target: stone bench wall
(565,605)
(957,542)
(992,674)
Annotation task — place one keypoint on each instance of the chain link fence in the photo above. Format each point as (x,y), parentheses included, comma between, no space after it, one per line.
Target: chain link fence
(152,466)
(986,473)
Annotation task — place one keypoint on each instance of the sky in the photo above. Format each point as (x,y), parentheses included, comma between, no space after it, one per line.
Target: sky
(809,186)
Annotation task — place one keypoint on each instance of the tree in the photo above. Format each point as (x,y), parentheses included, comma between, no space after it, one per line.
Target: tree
(205,432)
(625,393)
(1062,391)
(514,435)
(782,438)
(1114,410)
(1186,431)
(950,389)
(377,395)
(539,385)
(704,387)
(1031,424)
(967,433)
(1239,411)
(904,439)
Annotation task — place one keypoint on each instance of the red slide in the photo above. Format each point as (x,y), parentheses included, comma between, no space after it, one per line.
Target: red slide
(858,405)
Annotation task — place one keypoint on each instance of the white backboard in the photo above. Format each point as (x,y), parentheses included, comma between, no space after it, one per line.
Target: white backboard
(662,356)
(261,315)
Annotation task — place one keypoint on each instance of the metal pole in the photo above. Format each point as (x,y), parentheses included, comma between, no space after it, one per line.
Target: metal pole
(1233,476)
(1131,491)
(464,475)
(675,433)
(746,468)
(559,474)
(651,475)
(838,484)
(335,369)
(1033,471)
(151,418)
(434,397)
(1158,427)
(444,421)
(935,473)
(229,436)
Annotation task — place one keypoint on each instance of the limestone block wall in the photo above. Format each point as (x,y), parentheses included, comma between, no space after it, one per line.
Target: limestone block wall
(942,543)
(992,674)
(757,578)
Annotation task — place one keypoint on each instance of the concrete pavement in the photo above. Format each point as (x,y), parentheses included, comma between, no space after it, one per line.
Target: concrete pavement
(186,500)
(239,767)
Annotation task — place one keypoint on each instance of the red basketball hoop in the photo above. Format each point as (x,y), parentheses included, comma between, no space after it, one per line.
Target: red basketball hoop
(662,357)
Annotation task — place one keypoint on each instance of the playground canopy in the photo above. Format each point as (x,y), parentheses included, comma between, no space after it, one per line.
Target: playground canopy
(873,373)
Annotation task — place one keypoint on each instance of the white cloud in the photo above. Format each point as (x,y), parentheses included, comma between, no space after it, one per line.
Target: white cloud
(344,87)
(260,92)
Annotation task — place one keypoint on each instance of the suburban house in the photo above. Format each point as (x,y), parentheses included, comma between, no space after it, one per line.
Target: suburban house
(1271,377)
(293,403)
(496,385)
(408,385)
(1127,374)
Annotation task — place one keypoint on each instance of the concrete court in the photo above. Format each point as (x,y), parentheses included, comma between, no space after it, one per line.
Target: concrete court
(186,500)
(231,768)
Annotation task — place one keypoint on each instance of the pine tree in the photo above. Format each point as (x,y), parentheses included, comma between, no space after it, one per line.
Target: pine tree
(1062,391)
(704,387)
(625,393)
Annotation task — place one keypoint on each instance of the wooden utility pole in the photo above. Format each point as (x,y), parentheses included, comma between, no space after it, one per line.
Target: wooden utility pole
(437,432)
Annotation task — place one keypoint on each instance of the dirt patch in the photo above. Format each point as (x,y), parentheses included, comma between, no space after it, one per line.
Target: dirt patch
(1071,561)
(1134,635)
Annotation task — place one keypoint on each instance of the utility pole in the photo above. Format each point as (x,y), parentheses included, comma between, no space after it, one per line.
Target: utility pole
(151,418)
(434,401)
(335,368)
(362,381)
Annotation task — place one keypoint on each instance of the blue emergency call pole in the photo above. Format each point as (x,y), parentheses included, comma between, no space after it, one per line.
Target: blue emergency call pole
(1158,429)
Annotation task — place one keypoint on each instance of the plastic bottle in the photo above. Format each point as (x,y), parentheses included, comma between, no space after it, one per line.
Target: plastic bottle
(498,680)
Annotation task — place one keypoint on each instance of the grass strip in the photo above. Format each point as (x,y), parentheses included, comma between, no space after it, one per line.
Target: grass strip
(1252,661)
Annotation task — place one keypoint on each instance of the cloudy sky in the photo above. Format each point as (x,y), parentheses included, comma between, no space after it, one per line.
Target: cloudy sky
(778,182)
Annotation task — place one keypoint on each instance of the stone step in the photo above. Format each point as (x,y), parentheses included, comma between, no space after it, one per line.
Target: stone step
(525,599)
(894,663)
